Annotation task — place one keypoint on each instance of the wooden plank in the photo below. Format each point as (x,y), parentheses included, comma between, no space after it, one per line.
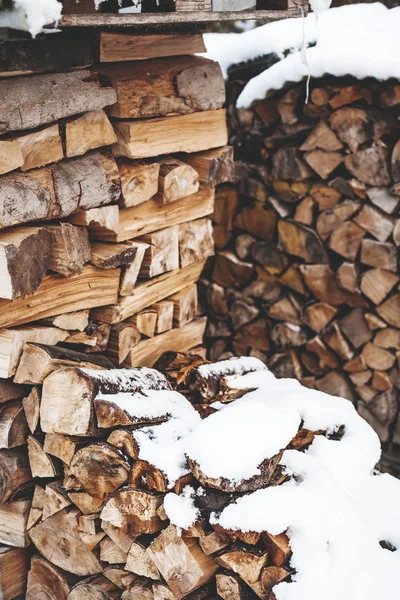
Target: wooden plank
(168,19)
(148,351)
(117,47)
(154,215)
(57,294)
(148,293)
(183,133)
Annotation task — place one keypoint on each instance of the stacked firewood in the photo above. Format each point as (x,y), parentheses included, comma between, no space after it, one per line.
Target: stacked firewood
(82,492)
(107,180)
(306,274)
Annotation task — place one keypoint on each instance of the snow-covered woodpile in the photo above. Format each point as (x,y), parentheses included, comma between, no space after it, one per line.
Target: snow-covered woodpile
(306,275)
(192,481)
(104,232)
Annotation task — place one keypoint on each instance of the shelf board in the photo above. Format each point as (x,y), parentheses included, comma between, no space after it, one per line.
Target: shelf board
(176,18)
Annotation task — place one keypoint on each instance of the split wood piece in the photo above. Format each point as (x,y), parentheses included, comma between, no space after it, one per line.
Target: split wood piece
(145,322)
(346,239)
(374,322)
(284,309)
(13,520)
(322,283)
(356,365)
(11,157)
(125,441)
(292,278)
(111,553)
(59,190)
(110,256)
(322,138)
(325,196)
(162,592)
(164,86)
(377,224)
(352,126)
(335,384)
(242,312)
(330,219)
(378,358)
(14,567)
(376,284)
(93,287)
(15,473)
(130,273)
(74,321)
(269,256)
(61,446)
(140,562)
(333,338)
(361,378)
(248,565)
(55,499)
(369,166)
(24,259)
(305,211)
(119,576)
(119,47)
(93,339)
(390,310)
(148,293)
(29,102)
(383,199)
(348,276)
(100,469)
(121,537)
(12,342)
(90,131)
(85,503)
(180,340)
(41,147)
(117,410)
(271,576)
(42,465)
(133,511)
(196,241)
(258,220)
(322,162)
(13,426)
(185,306)
(379,254)
(143,475)
(177,180)
(181,562)
(231,587)
(68,395)
(104,218)
(355,328)
(183,133)
(165,315)
(123,337)
(230,271)
(139,181)
(31,404)
(317,316)
(288,164)
(388,338)
(44,580)
(381,381)
(162,255)
(396,232)
(290,192)
(39,360)
(254,335)
(12,391)
(298,240)
(288,105)
(26,56)
(326,358)
(213,166)
(73,555)
(226,206)
(71,248)
(243,245)
(149,216)
(214,542)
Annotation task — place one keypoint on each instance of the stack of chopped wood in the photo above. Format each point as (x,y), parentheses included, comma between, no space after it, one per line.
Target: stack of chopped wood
(83,479)
(107,179)
(306,274)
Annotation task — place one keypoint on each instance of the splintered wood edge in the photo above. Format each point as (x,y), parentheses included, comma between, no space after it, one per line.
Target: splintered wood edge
(142,19)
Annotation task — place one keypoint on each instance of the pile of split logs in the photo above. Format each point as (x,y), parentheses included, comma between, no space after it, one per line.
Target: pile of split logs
(82,511)
(104,232)
(306,274)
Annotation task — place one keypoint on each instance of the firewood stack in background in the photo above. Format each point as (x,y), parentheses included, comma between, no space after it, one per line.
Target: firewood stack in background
(107,180)
(306,270)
